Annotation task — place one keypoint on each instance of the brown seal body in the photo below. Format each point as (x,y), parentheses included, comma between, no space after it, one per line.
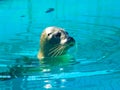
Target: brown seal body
(54,42)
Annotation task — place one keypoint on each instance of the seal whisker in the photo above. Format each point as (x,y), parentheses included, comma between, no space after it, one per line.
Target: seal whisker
(53,51)
(56,46)
(60,53)
(57,52)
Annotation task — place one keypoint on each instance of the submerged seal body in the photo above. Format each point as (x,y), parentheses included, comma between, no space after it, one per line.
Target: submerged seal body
(54,42)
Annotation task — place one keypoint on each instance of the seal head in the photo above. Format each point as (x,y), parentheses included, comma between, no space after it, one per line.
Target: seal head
(54,41)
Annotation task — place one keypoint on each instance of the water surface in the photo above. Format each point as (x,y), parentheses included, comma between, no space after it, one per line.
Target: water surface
(96,53)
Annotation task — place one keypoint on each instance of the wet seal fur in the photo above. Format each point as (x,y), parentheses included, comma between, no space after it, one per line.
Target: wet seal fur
(54,44)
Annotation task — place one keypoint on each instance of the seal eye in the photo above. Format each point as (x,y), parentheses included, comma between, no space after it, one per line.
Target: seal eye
(49,34)
(57,35)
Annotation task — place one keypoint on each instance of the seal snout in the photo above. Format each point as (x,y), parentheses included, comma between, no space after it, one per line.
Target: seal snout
(71,41)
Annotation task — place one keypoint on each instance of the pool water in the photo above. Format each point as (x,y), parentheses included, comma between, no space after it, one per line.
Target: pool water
(96,64)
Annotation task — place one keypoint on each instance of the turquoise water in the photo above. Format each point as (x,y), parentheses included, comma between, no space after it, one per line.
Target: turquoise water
(93,23)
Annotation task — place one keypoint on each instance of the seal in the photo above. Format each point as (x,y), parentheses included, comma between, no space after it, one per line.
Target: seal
(54,42)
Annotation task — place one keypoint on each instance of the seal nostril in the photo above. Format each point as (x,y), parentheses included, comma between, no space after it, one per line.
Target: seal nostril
(70,39)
